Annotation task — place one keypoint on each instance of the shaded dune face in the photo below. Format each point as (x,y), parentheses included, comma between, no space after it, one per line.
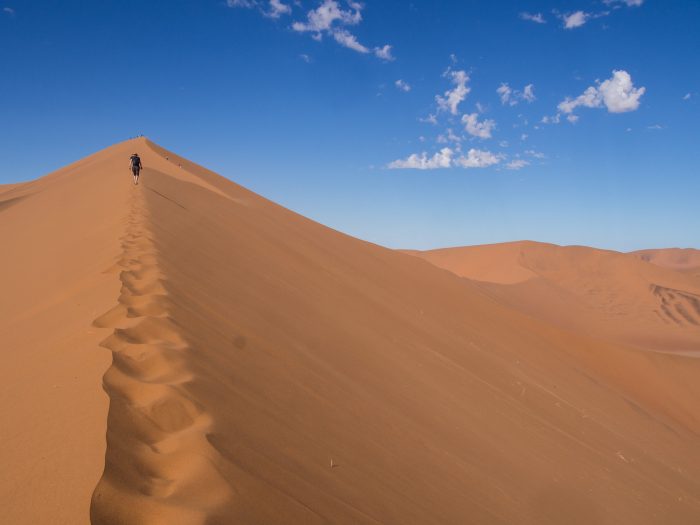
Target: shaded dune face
(267,369)
(604,294)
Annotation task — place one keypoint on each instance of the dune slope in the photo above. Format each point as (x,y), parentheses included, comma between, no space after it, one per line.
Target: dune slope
(686,260)
(600,293)
(267,369)
(59,238)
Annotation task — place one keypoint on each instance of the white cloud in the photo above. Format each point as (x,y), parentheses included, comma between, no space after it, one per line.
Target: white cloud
(656,126)
(572,118)
(517,164)
(274,9)
(687,96)
(533,17)
(476,158)
(576,19)
(449,137)
(452,137)
(430,119)
(402,85)
(529,93)
(535,154)
(628,3)
(453,97)
(475,128)
(512,96)
(331,19)
(445,158)
(306,58)
(277,9)
(8,10)
(617,94)
(524,136)
(384,52)
(322,18)
(504,92)
(347,39)
(551,120)
(442,159)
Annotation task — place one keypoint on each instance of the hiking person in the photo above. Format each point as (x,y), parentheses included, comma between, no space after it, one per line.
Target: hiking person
(136,166)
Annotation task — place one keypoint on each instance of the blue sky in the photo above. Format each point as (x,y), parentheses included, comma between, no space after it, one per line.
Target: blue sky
(411,124)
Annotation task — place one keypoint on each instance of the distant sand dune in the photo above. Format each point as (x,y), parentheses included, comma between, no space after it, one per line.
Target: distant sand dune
(605,294)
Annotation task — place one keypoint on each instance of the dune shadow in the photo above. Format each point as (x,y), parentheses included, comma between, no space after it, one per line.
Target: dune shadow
(11,202)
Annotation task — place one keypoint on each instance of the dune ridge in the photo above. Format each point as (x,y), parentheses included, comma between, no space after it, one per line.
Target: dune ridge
(159,466)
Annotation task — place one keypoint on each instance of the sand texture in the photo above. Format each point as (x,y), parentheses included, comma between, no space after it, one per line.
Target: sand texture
(186,351)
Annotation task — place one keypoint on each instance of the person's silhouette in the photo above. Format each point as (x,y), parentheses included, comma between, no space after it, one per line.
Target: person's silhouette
(135,166)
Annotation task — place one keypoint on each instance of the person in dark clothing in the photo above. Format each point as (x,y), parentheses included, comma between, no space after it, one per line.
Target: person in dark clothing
(135,166)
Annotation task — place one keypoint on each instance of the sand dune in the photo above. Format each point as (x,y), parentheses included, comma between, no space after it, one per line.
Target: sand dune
(267,369)
(603,294)
(685,260)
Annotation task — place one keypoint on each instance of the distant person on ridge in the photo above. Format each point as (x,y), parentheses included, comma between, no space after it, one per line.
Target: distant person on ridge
(135,165)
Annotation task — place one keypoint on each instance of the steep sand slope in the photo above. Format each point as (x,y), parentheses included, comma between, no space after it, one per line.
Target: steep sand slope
(266,369)
(339,382)
(601,293)
(58,236)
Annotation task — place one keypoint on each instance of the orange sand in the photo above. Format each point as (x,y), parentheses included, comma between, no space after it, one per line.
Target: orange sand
(267,369)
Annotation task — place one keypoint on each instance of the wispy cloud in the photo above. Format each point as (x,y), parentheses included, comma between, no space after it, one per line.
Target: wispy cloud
(402,85)
(271,8)
(575,19)
(447,158)
(478,129)
(277,9)
(517,164)
(535,154)
(8,10)
(430,119)
(511,96)
(441,159)
(331,19)
(384,52)
(533,17)
(476,158)
(452,98)
(628,3)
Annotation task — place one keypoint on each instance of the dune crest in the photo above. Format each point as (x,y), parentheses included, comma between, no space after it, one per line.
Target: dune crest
(159,465)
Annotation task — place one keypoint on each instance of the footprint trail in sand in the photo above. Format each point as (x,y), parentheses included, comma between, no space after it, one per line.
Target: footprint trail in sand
(159,466)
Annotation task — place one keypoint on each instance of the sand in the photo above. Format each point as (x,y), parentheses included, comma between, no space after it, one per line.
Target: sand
(262,368)
(649,299)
